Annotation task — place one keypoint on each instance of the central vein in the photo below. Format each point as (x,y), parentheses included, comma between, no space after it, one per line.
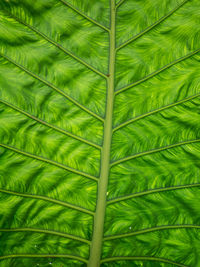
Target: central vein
(96,245)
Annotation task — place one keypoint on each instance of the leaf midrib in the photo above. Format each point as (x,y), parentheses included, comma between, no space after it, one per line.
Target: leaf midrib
(98,226)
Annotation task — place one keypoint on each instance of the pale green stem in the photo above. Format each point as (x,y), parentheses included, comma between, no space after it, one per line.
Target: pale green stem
(96,245)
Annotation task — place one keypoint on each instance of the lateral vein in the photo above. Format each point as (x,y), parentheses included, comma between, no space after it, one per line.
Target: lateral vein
(43,256)
(152,26)
(59,46)
(155,111)
(84,15)
(50,232)
(50,125)
(153,229)
(53,87)
(151,191)
(51,162)
(58,202)
(119,3)
(142,258)
(154,151)
(156,72)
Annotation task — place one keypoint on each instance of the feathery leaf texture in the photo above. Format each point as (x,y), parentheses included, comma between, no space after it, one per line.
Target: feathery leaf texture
(100,133)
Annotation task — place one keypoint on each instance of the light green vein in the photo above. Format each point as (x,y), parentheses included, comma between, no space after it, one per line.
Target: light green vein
(50,162)
(119,3)
(99,217)
(152,26)
(60,47)
(53,87)
(151,191)
(155,111)
(84,15)
(50,125)
(46,232)
(142,258)
(43,256)
(153,229)
(55,201)
(154,151)
(157,72)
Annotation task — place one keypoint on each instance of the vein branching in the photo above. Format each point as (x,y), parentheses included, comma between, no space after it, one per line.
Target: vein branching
(55,201)
(151,191)
(51,162)
(154,151)
(50,125)
(53,87)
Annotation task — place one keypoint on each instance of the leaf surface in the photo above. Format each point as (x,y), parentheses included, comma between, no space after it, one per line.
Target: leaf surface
(99,133)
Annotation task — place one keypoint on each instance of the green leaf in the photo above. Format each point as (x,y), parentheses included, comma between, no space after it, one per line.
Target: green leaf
(99,133)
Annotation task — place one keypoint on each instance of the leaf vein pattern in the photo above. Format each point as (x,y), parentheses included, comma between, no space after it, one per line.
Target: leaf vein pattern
(108,164)
(62,166)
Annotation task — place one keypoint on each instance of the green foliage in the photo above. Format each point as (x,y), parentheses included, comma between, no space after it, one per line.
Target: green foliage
(99,133)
